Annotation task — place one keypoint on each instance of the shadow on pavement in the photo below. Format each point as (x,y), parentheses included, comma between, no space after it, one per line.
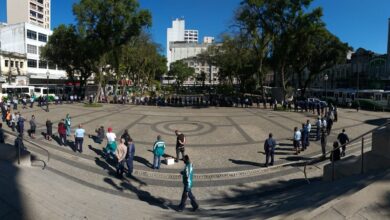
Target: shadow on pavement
(142,161)
(280,199)
(377,122)
(244,162)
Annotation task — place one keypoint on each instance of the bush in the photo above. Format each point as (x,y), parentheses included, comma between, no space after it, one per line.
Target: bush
(368,105)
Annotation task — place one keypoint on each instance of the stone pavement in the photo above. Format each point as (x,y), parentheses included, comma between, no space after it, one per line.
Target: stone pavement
(225,145)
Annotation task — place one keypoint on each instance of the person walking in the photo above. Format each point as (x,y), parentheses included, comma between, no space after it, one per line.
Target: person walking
(296,140)
(33,127)
(13,121)
(32,99)
(187,175)
(8,117)
(335,155)
(180,141)
(111,146)
(130,156)
(343,139)
(49,130)
(62,132)
(329,124)
(269,148)
(335,113)
(120,153)
(79,138)
(158,151)
(323,143)
(100,134)
(67,124)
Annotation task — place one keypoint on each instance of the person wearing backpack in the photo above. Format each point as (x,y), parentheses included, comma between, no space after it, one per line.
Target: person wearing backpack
(158,151)
(269,148)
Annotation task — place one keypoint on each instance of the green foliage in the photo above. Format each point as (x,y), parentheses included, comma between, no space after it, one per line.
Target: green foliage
(180,71)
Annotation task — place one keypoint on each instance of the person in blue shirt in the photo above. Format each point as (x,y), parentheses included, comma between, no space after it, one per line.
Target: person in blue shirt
(158,151)
(79,138)
(269,148)
(187,175)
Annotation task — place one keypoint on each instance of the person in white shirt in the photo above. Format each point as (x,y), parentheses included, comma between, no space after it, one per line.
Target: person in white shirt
(79,138)
(318,125)
(111,143)
(297,140)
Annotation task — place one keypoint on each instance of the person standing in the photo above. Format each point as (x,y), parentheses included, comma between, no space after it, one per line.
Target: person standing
(304,135)
(130,156)
(335,113)
(21,124)
(329,124)
(62,132)
(1,134)
(33,127)
(49,130)
(269,148)
(100,134)
(13,121)
(296,140)
(187,175)
(335,155)
(67,124)
(32,99)
(15,101)
(120,153)
(318,130)
(180,141)
(126,136)
(111,143)
(343,139)
(8,117)
(323,143)
(79,138)
(308,128)
(158,151)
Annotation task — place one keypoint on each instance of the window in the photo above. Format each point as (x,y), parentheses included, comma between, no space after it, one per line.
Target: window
(40,16)
(12,63)
(6,63)
(42,64)
(21,64)
(33,13)
(32,49)
(16,64)
(52,66)
(40,1)
(32,63)
(42,37)
(37,90)
(31,34)
(40,9)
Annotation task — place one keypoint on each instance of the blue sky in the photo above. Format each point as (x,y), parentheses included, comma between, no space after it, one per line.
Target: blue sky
(361,23)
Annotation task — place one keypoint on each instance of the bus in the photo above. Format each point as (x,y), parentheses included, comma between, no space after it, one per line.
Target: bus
(19,91)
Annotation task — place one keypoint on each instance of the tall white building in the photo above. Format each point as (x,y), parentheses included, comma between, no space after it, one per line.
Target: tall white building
(31,11)
(25,38)
(178,33)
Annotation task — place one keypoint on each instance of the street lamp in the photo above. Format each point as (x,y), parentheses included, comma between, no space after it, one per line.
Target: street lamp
(326,86)
(47,89)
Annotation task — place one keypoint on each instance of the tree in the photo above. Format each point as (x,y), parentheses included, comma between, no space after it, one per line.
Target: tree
(75,58)
(180,71)
(108,25)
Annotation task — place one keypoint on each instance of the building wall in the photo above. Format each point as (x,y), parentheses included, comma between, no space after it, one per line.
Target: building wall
(16,38)
(32,11)
(13,67)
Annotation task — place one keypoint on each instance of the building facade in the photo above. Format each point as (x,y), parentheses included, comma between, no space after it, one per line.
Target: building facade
(35,12)
(13,68)
(26,38)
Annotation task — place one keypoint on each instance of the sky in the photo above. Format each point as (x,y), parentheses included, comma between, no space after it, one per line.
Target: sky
(360,23)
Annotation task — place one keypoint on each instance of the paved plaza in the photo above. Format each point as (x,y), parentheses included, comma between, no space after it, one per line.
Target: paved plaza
(225,146)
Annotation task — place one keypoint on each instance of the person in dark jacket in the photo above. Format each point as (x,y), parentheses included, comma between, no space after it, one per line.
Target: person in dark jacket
(187,175)
(33,127)
(21,124)
(100,134)
(130,156)
(126,136)
(62,132)
(1,134)
(49,130)
(336,154)
(343,139)
(269,148)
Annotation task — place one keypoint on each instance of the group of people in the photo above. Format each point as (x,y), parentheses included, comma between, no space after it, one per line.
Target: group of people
(301,137)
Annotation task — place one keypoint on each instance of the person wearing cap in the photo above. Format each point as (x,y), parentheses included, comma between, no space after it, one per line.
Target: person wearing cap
(343,139)
(158,151)
(79,138)
(111,143)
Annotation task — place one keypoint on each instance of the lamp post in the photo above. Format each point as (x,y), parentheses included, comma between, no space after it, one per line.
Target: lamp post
(47,89)
(326,86)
